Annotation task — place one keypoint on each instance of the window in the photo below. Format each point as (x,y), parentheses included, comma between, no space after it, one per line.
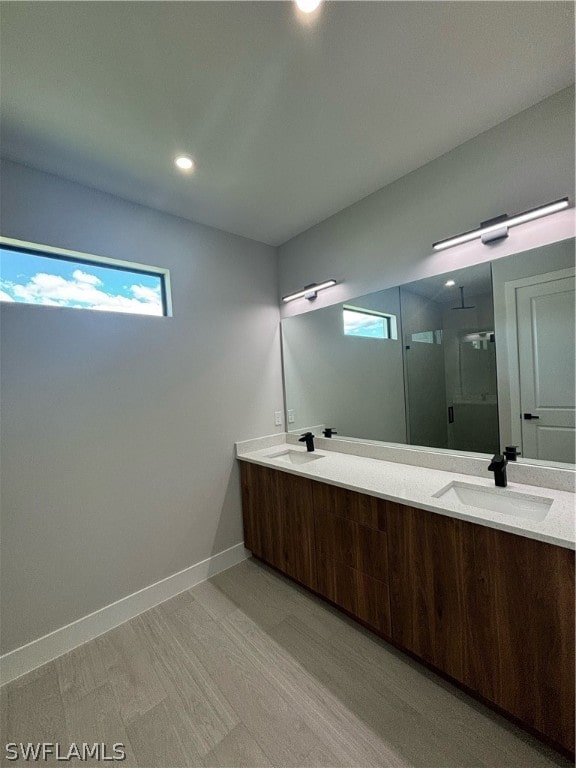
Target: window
(369,324)
(36,274)
(479,340)
(428,337)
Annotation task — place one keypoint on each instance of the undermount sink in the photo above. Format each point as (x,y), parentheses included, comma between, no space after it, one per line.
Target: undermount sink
(496,500)
(294,457)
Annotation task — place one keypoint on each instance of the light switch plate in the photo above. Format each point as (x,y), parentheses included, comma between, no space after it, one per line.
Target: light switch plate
(278,418)
(291,416)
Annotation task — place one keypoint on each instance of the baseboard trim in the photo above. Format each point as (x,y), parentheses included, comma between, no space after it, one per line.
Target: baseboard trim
(28,657)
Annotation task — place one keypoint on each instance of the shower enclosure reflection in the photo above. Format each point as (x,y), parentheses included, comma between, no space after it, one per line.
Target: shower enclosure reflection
(450,361)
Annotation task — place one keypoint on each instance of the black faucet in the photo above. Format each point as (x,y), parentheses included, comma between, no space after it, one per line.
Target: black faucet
(328,432)
(307,438)
(511,452)
(498,466)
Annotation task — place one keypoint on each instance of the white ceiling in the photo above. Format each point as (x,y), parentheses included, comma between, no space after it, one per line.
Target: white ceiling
(476,281)
(289,123)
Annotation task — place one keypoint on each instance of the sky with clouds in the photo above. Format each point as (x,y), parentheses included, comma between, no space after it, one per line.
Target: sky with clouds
(32,279)
(357,323)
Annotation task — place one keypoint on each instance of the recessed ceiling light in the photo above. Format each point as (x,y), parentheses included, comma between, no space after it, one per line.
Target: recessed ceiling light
(449,283)
(184,162)
(308,6)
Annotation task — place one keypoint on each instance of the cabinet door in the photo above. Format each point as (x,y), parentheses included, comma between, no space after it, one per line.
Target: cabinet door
(352,558)
(426,558)
(521,630)
(295,554)
(261,511)
(278,520)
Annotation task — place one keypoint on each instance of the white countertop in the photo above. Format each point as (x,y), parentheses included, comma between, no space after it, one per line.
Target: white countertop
(415,486)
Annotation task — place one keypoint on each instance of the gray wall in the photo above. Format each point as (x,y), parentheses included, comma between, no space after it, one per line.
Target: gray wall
(118,430)
(386,238)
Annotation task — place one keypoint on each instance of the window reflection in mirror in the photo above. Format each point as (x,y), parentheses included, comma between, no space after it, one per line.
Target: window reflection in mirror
(368,323)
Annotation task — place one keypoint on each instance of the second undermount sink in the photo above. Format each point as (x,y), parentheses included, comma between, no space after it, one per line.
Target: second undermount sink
(294,457)
(501,500)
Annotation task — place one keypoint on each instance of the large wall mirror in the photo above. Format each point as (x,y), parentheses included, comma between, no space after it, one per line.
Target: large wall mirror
(471,360)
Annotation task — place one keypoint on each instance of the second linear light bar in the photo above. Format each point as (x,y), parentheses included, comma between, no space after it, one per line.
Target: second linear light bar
(502,223)
(309,291)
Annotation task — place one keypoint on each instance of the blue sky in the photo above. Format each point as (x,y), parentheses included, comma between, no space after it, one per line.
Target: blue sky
(32,279)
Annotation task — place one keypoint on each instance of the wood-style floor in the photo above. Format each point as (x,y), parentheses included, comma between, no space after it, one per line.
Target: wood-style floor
(249,670)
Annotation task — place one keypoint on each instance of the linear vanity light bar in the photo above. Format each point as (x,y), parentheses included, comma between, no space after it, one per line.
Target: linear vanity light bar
(309,291)
(498,228)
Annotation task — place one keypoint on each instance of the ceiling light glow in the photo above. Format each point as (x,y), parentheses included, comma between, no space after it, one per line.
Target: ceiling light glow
(449,283)
(184,162)
(308,6)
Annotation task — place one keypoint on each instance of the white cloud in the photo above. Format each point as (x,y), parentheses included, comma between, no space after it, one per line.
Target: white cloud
(84,277)
(5,297)
(145,294)
(54,290)
(130,306)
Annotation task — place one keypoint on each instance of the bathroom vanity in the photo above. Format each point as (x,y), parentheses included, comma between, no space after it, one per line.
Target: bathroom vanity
(481,595)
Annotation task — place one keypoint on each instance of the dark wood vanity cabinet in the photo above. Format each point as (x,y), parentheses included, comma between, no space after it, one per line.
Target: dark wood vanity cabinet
(492,610)
(520,642)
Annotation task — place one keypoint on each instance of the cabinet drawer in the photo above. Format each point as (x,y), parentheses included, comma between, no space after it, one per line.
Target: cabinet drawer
(356,592)
(356,507)
(357,546)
